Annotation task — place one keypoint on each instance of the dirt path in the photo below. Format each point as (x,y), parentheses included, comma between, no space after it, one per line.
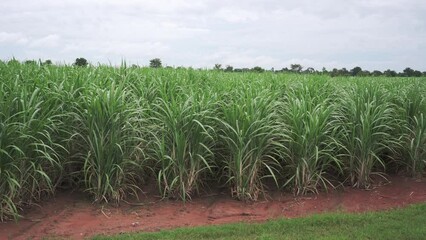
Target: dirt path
(72,215)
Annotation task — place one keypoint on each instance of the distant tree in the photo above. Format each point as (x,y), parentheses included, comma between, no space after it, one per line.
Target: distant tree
(364,73)
(344,72)
(417,73)
(47,62)
(285,70)
(229,68)
(258,69)
(324,70)
(376,73)
(80,62)
(390,73)
(135,66)
(355,71)
(296,68)
(408,72)
(424,74)
(30,62)
(310,70)
(339,72)
(217,66)
(155,63)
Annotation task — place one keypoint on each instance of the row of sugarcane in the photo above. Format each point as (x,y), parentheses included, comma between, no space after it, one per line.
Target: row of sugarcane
(107,130)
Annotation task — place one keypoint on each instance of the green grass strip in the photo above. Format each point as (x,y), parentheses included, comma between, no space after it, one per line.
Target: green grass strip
(406,223)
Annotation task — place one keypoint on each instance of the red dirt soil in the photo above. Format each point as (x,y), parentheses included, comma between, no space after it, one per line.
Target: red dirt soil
(72,215)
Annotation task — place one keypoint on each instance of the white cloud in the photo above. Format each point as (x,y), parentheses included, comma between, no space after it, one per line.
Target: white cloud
(49,41)
(375,34)
(12,38)
(236,15)
(121,49)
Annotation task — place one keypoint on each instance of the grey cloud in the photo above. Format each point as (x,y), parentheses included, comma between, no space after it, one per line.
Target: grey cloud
(374,34)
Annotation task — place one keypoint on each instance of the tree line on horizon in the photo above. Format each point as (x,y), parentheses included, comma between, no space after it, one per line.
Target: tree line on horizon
(356,71)
(294,68)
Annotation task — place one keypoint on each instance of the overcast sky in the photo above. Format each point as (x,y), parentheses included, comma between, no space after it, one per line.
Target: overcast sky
(372,34)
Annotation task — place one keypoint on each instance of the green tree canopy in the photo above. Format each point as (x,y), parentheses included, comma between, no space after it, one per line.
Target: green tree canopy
(80,62)
(296,68)
(258,69)
(229,68)
(155,63)
(356,71)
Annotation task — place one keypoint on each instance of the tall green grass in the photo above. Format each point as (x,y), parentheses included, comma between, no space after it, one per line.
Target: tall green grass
(412,104)
(182,143)
(108,135)
(250,131)
(368,120)
(310,130)
(29,148)
(105,130)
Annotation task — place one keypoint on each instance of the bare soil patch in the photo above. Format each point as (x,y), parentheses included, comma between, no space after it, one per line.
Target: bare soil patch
(72,215)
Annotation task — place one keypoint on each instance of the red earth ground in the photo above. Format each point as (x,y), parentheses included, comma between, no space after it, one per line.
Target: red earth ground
(72,215)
